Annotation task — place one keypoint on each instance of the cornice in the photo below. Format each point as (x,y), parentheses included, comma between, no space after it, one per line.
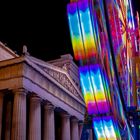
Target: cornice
(3,46)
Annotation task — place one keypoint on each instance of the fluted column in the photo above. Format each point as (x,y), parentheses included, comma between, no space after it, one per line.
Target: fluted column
(19,115)
(49,128)
(74,129)
(80,126)
(35,118)
(65,131)
(1,110)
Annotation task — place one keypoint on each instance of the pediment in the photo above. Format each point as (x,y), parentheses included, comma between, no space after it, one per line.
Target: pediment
(59,75)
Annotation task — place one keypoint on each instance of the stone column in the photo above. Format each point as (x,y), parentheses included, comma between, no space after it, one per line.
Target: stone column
(35,118)
(74,129)
(65,131)
(1,110)
(8,120)
(80,126)
(49,128)
(19,115)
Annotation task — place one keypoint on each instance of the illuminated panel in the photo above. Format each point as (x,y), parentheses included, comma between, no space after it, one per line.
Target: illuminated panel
(96,32)
(98,128)
(130,15)
(114,21)
(109,128)
(87,29)
(131,24)
(98,87)
(75,31)
(106,86)
(87,90)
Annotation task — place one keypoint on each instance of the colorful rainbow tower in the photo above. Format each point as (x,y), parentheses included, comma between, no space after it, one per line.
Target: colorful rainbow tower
(104,40)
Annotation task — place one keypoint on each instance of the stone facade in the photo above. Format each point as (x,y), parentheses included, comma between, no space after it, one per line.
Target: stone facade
(66,62)
(6,53)
(39,101)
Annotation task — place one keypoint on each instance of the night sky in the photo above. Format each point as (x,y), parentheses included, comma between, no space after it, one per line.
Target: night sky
(42,26)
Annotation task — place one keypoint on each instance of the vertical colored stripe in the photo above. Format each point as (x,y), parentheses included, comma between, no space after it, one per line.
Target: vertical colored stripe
(98,87)
(75,31)
(87,29)
(98,128)
(87,90)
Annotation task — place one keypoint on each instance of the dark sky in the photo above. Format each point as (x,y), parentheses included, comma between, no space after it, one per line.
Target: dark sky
(41,25)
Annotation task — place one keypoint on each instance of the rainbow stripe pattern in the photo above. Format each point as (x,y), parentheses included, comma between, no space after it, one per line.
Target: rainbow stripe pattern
(87,90)
(97,79)
(105,128)
(90,40)
(82,33)
(87,29)
(75,31)
(94,89)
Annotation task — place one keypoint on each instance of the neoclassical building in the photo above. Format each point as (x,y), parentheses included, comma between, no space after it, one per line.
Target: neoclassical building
(39,100)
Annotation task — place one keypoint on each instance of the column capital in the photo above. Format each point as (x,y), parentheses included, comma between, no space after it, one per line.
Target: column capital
(35,98)
(48,106)
(65,115)
(20,91)
(74,119)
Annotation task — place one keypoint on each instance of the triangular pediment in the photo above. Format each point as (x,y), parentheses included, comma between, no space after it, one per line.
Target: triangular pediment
(6,53)
(59,75)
